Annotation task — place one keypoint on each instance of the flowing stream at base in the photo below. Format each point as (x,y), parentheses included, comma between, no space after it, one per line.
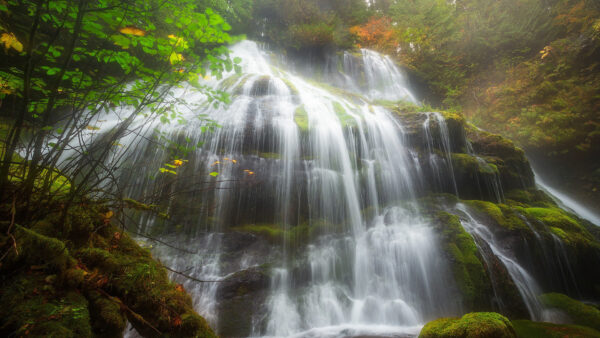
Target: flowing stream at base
(325,172)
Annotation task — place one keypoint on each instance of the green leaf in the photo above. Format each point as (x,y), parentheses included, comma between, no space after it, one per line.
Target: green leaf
(214,174)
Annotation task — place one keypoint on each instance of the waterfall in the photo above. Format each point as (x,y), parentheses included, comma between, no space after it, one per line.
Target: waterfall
(525,283)
(315,203)
(567,202)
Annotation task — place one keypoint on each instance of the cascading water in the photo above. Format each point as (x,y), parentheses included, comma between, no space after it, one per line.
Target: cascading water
(567,202)
(527,286)
(326,175)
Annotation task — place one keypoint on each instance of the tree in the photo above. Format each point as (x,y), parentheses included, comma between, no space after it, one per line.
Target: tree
(81,59)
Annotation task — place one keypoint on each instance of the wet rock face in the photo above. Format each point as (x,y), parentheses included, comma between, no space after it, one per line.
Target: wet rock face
(482,164)
(243,282)
(241,299)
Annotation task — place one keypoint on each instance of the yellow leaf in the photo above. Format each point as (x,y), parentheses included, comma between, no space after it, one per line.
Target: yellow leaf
(175,58)
(11,41)
(92,128)
(234,161)
(130,30)
(109,214)
(177,163)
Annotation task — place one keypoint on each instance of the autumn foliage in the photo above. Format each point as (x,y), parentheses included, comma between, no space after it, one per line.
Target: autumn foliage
(378,33)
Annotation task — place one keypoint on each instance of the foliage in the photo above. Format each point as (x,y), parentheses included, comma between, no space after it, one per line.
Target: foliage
(528,69)
(304,26)
(82,61)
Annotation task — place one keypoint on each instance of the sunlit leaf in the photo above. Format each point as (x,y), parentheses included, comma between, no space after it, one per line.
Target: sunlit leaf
(10,41)
(175,58)
(214,174)
(130,30)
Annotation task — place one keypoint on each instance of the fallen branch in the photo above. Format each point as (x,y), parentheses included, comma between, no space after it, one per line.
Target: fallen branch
(133,313)
(192,278)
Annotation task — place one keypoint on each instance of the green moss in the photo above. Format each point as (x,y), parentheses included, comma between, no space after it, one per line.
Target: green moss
(453,117)
(30,309)
(554,217)
(350,96)
(501,214)
(272,156)
(229,82)
(77,280)
(467,268)
(301,118)
(239,88)
(298,235)
(108,318)
(561,224)
(272,232)
(579,313)
(472,325)
(529,329)
(464,162)
(290,85)
(37,249)
(345,119)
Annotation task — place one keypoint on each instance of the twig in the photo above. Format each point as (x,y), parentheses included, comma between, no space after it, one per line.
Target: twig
(13,211)
(133,313)
(192,278)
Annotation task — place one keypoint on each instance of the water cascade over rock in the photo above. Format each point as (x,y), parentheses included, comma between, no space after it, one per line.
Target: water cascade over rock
(337,213)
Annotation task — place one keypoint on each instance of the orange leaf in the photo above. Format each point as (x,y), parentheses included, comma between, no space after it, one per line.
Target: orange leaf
(179,287)
(130,30)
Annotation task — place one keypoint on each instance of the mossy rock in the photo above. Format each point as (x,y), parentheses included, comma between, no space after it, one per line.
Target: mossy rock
(475,177)
(500,214)
(465,261)
(297,236)
(579,313)
(270,156)
(561,224)
(301,118)
(260,87)
(529,329)
(346,119)
(510,160)
(32,307)
(87,278)
(272,232)
(471,325)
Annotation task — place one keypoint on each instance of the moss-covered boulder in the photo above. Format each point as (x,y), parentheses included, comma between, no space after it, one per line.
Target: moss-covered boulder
(466,263)
(578,312)
(529,329)
(471,325)
(552,244)
(84,277)
(514,168)
(476,178)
